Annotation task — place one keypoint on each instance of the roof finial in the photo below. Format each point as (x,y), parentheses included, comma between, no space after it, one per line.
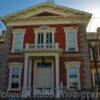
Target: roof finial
(50,1)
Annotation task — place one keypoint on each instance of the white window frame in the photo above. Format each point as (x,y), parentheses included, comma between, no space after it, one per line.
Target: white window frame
(11,66)
(44,30)
(71,29)
(17,31)
(76,65)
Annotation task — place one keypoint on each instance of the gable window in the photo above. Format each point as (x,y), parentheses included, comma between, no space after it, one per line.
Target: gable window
(18,41)
(71,40)
(15,76)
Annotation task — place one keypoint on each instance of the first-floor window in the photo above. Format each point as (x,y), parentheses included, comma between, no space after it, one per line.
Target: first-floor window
(15,76)
(73,75)
(72,78)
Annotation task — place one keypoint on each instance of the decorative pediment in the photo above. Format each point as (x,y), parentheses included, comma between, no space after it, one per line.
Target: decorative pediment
(46,9)
(47,12)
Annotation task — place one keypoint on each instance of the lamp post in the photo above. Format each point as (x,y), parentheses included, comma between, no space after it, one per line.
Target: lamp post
(94,49)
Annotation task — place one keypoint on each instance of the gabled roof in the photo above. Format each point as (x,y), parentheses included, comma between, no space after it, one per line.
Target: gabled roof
(51,8)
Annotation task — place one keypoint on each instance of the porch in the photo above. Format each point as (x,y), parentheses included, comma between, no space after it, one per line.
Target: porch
(41,72)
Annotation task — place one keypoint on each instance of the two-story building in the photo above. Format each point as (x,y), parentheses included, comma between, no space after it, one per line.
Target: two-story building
(48,49)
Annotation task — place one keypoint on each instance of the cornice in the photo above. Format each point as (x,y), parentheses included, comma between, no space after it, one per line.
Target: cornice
(46,20)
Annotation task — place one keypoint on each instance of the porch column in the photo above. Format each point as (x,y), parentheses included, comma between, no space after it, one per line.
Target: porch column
(25,81)
(57,76)
(29,75)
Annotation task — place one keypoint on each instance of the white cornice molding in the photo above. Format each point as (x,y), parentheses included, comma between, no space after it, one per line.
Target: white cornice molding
(15,63)
(44,29)
(72,64)
(45,22)
(70,29)
(18,30)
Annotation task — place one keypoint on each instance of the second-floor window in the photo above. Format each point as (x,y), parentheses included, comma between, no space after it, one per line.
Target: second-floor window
(44,38)
(18,40)
(71,41)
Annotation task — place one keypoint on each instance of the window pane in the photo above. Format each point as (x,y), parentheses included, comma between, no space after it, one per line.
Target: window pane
(15,85)
(73,78)
(40,38)
(15,77)
(71,40)
(44,65)
(18,42)
(49,38)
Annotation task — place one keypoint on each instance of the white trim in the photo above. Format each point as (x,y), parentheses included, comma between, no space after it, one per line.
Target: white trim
(71,29)
(29,74)
(73,64)
(57,75)
(27,55)
(16,31)
(25,81)
(11,65)
(47,21)
(44,30)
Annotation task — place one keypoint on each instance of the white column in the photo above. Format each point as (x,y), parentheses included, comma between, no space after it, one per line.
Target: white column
(25,87)
(30,74)
(57,76)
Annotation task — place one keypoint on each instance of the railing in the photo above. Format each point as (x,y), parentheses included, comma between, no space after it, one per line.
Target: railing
(42,46)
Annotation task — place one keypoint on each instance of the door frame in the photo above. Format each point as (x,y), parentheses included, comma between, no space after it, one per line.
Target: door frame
(34,74)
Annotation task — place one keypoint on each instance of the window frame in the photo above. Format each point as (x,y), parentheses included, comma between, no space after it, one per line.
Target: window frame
(76,65)
(11,66)
(15,32)
(71,29)
(45,30)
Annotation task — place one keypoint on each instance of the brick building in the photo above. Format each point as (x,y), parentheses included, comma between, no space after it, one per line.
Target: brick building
(47,49)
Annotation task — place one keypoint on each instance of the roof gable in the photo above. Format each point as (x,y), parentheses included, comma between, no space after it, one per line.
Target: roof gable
(47,9)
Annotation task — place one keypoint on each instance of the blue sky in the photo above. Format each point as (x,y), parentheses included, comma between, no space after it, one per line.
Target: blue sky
(92,6)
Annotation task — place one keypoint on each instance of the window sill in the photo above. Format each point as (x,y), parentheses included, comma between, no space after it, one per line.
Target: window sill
(10,89)
(71,50)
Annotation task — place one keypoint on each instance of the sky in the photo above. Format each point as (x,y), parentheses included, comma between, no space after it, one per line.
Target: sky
(91,6)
